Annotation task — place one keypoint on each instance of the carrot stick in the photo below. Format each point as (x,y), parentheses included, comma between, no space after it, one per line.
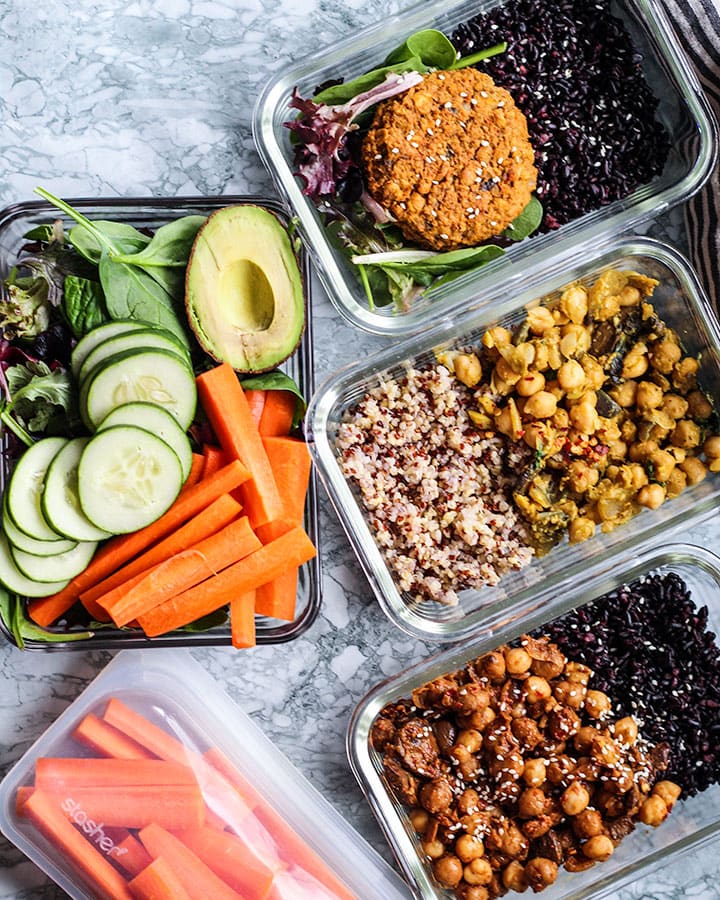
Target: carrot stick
(119,550)
(214,459)
(21,796)
(197,471)
(70,844)
(105,740)
(157,881)
(173,806)
(217,759)
(286,552)
(256,401)
(130,855)
(229,859)
(227,409)
(95,611)
(242,620)
(208,521)
(55,775)
(277,598)
(184,570)
(278,414)
(291,465)
(200,882)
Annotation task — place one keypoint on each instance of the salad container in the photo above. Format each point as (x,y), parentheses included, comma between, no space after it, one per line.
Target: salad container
(682,110)
(693,822)
(679,302)
(151,213)
(191,740)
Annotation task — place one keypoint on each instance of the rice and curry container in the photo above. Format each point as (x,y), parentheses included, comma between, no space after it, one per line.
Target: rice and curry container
(682,113)
(153,783)
(692,823)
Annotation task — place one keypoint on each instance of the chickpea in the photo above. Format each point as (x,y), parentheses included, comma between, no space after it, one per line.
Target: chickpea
(597,704)
(534,772)
(569,693)
(541,405)
(584,418)
(470,739)
(635,363)
(604,750)
(699,406)
(448,870)
(653,811)
(711,447)
(505,371)
(496,337)
(674,405)
(559,769)
(651,496)
(433,849)
(481,718)
(575,340)
(676,483)
(467,369)
(552,387)
(684,376)
(419,819)
(617,450)
(629,296)
(540,872)
(467,763)
(536,689)
(594,373)
(664,355)
(628,431)
(571,375)
(574,303)
(599,848)
(584,738)
(533,802)
(540,319)
(469,847)
(436,795)
(587,824)
(507,421)
(581,529)
(643,451)
(473,697)
(513,877)
(694,469)
(686,434)
(578,673)
(468,800)
(474,823)
(517,661)
(473,892)
(478,871)
(492,666)
(574,799)
(663,464)
(626,730)
(530,384)
(514,843)
(624,394)
(648,396)
(581,477)
(669,791)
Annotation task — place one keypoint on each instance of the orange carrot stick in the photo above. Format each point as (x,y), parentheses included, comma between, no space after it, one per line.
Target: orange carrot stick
(46,815)
(200,882)
(184,570)
(256,402)
(21,797)
(197,471)
(173,806)
(286,552)
(217,759)
(117,551)
(278,414)
(157,881)
(277,598)
(130,855)
(214,459)
(56,774)
(95,611)
(242,620)
(229,859)
(208,521)
(227,409)
(105,740)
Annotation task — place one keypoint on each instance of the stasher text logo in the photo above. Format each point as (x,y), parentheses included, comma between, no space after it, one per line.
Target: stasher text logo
(94,830)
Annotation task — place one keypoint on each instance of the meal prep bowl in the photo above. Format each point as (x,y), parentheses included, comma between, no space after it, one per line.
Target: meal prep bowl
(692,822)
(184,715)
(679,301)
(682,109)
(151,212)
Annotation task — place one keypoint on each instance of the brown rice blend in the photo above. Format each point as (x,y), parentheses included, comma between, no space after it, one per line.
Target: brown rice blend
(437,491)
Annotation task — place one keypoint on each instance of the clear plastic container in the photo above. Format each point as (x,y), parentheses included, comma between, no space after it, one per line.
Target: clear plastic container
(682,109)
(679,301)
(151,212)
(692,823)
(296,846)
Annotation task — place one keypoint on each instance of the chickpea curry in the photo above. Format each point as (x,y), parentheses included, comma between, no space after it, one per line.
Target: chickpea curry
(604,393)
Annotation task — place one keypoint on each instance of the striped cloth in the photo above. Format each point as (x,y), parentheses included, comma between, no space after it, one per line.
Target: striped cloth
(697,23)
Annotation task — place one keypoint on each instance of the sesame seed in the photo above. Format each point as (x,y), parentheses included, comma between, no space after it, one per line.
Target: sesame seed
(483,94)
(444,236)
(484,143)
(378,156)
(395,150)
(501,104)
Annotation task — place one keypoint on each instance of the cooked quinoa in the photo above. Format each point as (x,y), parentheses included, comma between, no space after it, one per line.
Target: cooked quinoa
(437,492)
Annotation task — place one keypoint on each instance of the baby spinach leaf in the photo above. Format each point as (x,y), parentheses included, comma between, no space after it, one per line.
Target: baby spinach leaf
(527,222)
(83,304)
(432,47)
(21,628)
(343,93)
(465,61)
(170,245)
(278,381)
(124,238)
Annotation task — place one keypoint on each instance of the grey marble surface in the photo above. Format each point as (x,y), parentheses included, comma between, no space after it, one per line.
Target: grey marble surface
(154,97)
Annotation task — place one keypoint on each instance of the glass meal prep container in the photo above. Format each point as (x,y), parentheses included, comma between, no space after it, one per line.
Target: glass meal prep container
(151,213)
(692,822)
(679,302)
(682,109)
(279,836)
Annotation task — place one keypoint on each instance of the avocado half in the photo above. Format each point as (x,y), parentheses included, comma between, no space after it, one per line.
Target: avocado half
(243,289)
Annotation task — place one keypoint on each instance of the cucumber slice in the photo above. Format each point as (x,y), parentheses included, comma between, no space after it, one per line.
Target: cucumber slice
(151,376)
(134,340)
(93,338)
(127,478)
(17,583)
(158,421)
(25,489)
(60,567)
(30,545)
(60,502)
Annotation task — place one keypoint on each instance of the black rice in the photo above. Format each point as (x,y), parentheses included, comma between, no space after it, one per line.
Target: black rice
(573,71)
(651,652)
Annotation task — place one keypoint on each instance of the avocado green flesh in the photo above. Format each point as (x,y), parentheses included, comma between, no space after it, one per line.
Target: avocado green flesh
(244,291)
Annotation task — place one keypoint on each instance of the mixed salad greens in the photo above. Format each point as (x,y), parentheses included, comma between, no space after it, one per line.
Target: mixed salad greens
(327,135)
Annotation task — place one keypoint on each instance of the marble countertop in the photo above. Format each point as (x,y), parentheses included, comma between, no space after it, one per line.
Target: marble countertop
(154,97)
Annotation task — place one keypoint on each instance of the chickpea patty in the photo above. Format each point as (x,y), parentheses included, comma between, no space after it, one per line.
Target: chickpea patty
(450,159)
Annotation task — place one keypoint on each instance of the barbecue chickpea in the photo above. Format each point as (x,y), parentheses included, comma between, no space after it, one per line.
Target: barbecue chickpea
(676,483)
(433,849)
(663,463)
(492,666)
(571,375)
(472,698)
(653,811)
(711,447)
(541,405)
(530,384)
(626,730)
(419,819)
(584,738)
(448,870)
(468,800)
(651,496)
(574,303)
(578,673)
(587,824)
(469,847)
(699,406)
(664,355)
(517,661)
(536,689)
(436,795)
(599,848)
(533,802)
(472,892)
(540,872)
(513,877)
(686,434)
(596,704)
(574,799)
(540,319)
(604,750)
(629,296)
(668,791)
(534,772)
(467,369)
(684,376)
(479,871)
(694,469)
(569,693)
(470,739)
(649,396)
(624,394)
(675,406)
(481,718)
